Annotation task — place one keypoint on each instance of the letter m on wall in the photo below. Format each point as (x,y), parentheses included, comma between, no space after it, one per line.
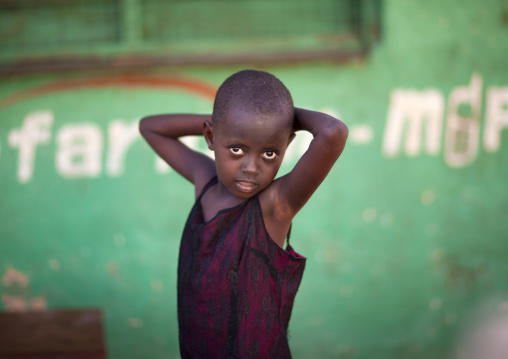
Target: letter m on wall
(410,112)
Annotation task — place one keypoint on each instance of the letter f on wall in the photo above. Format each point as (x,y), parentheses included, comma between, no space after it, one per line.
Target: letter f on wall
(35,130)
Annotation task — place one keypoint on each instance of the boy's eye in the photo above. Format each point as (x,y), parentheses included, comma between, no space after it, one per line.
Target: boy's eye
(270,155)
(236,150)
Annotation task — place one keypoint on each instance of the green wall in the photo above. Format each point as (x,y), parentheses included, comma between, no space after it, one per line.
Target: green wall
(406,240)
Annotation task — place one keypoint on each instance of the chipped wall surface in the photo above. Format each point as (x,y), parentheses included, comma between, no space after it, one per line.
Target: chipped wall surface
(406,239)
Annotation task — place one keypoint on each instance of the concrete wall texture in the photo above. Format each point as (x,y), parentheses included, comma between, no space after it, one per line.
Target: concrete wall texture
(406,239)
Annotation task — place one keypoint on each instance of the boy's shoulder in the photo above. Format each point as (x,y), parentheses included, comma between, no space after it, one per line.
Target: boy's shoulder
(204,177)
(277,213)
(272,203)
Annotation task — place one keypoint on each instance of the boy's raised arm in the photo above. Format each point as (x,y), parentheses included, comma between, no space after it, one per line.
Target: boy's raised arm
(330,136)
(162,133)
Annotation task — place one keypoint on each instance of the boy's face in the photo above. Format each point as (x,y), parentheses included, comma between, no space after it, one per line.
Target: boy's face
(249,150)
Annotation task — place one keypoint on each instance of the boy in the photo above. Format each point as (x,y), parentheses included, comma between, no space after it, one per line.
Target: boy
(236,285)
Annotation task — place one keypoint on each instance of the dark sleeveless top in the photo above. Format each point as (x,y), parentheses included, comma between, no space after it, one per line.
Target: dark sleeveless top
(236,286)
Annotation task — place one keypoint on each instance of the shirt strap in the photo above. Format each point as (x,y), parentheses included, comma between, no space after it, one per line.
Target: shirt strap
(288,246)
(210,183)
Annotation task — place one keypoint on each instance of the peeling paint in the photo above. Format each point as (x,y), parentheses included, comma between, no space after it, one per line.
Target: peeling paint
(431,230)
(450,319)
(12,276)
(119,240)
(135,322)
(15,303)
(457,273)
(346,290)
(112,268)
(386,219)
(427,197)
(17,297)
(157,285)
(435,304)
(38,303)
(54,264)
(369,214)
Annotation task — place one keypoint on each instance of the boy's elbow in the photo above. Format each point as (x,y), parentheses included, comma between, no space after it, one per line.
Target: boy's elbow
(343,130)
(143,125)
(337,133)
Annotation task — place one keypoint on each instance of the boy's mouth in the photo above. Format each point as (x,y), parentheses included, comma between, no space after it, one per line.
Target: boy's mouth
(246,186)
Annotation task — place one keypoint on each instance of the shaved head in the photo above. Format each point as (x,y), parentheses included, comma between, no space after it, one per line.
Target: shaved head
(256,92)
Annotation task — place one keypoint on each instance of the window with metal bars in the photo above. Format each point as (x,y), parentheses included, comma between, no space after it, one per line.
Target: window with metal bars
(77,33)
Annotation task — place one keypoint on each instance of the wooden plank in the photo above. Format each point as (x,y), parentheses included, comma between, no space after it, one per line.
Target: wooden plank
(55,334)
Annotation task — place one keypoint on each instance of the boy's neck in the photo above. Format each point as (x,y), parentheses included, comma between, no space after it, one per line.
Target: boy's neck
(217,198)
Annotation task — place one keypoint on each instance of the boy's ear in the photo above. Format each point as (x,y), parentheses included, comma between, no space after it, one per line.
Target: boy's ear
(291,137)
(208,134)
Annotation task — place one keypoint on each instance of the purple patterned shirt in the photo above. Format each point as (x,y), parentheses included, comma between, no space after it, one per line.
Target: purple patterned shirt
(236,286)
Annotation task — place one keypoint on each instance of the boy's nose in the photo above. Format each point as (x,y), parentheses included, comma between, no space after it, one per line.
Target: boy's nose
(249,167)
